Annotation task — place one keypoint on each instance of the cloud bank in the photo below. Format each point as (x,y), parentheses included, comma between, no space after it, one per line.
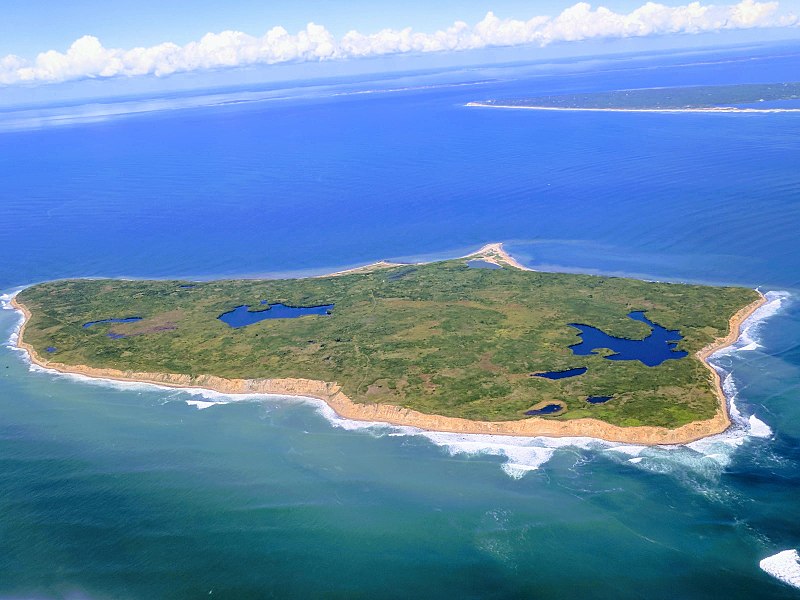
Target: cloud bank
(87,58)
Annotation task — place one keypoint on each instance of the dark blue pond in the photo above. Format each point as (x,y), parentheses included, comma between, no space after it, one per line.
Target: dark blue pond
(242,316)
(598,399)
(51,349)
(545,410)
(126,320)
(658,346)
(482,264)
(562,374)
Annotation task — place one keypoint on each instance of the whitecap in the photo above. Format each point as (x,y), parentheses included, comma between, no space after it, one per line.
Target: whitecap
(13,338)
(201,405)
(522,454)
(784,566)
(757,428)
(5,301)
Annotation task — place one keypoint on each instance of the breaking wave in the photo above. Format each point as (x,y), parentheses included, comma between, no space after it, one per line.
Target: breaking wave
(784,566)
(748,338)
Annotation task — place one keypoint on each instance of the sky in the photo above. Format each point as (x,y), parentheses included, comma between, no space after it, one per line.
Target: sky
(31,26)
(44,41)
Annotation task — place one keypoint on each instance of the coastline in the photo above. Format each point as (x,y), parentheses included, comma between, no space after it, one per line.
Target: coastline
(496,254)
(712,110)
(493,253)
(332,395)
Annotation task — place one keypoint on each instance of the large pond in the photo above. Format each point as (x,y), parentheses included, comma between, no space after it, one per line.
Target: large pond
(658,346)
(242,316)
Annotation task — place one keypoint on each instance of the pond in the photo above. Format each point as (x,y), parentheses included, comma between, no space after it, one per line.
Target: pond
(658,346)
(242,316)
(598,399)
(103,321)
(550,409)
(482,264)
(562,374)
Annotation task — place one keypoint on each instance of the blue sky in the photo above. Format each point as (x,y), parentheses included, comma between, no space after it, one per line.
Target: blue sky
(94,39)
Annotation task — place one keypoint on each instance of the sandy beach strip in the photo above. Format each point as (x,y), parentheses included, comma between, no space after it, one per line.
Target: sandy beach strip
(493,253)
(722,110)
(331,393)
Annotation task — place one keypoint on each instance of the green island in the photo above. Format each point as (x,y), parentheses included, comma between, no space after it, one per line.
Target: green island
(440,338)
(708,97)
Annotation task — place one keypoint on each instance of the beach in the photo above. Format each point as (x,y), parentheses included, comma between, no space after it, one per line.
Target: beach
(724,110)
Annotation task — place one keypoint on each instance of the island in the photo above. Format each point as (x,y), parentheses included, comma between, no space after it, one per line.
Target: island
(477,344)
(749,97)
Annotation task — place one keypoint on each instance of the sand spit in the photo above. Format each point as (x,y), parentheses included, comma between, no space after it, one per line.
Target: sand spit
(495,254)
(376,266)
(331,393)
(721,110)
(492,253)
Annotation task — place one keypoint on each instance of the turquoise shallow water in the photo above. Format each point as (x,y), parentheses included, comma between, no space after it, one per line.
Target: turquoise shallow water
(117,491)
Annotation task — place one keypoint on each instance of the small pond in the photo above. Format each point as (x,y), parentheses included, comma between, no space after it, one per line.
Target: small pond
(103,321)
(550,409)
(242,316)
(482,264)
(562,374)
(598,399)
(657,347)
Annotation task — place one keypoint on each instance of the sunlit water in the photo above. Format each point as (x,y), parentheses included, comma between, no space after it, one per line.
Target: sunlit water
(112,490)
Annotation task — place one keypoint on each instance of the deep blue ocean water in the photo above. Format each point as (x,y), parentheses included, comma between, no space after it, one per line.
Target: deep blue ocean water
(125,491)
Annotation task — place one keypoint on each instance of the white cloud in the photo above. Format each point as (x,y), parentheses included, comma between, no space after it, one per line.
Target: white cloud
(87,57)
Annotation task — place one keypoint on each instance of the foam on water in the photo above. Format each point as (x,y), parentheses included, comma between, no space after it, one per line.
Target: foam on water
(784,566)
(203,404)
(13,338)
(747,340)
(707,457)
(757,428)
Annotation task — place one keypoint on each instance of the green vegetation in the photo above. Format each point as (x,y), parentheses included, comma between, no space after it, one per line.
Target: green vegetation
(703,96)
(439,338)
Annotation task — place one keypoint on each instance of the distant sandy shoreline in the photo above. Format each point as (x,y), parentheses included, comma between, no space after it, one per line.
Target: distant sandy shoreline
(726,110)
(331,393)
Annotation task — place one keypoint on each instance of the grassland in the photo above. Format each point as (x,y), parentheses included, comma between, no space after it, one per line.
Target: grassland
(439,338)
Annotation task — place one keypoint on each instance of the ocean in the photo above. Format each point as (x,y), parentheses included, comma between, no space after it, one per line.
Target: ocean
(111,490)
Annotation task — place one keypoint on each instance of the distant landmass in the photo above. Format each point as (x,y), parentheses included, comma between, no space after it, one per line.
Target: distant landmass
(691,98)
(476,344)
